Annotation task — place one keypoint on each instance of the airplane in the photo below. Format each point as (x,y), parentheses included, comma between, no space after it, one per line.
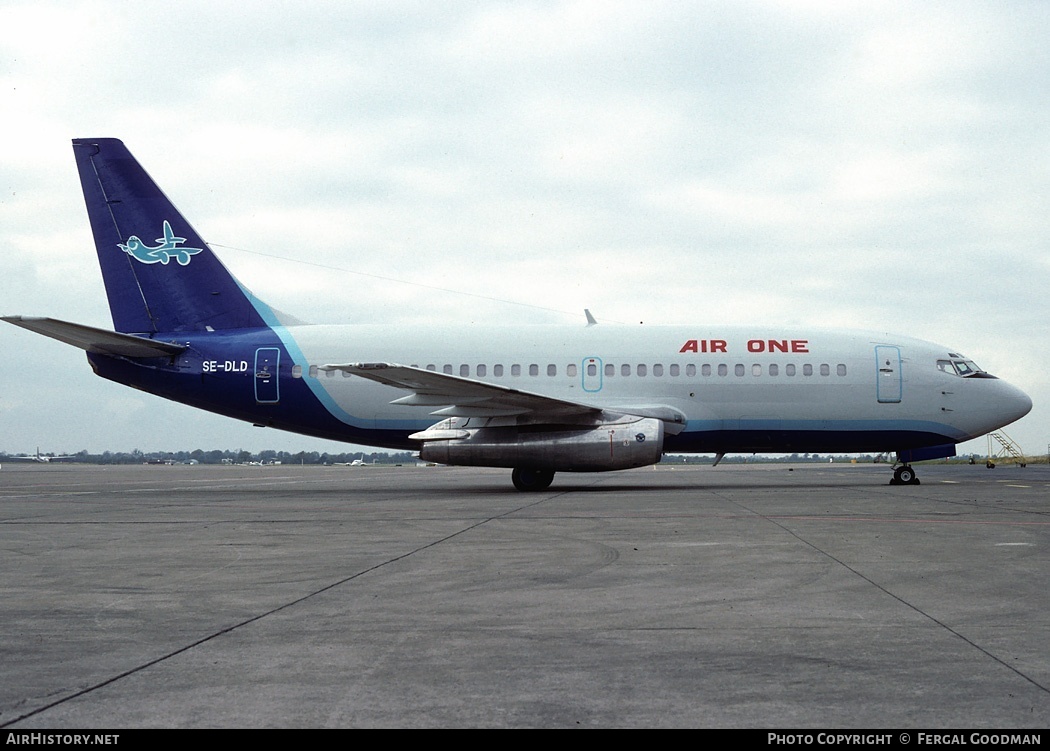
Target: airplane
(39,458)
(535,399)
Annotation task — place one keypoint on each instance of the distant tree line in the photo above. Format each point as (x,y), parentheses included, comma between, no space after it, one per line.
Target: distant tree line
(219,456)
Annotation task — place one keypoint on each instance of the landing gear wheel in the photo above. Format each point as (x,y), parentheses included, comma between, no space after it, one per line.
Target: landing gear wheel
(904,475)
(528,480)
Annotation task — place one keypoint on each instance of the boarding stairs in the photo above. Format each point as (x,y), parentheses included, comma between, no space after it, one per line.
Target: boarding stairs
(1002,447)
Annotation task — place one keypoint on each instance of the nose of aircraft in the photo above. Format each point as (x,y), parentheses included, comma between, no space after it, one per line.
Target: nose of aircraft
(1015,403)
(995,404)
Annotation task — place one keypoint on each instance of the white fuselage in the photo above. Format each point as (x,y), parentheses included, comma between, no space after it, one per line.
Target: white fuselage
(744,383)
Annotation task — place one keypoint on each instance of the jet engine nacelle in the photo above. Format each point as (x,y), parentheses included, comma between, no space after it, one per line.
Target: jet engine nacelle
(621,444)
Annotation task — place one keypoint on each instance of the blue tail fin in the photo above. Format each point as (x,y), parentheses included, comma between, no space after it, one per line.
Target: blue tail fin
(160,275)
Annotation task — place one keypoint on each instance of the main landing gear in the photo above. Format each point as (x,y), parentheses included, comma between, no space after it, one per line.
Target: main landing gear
(904,475)
(528,479)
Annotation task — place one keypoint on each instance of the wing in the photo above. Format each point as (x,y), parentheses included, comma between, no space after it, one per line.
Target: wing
(464,397)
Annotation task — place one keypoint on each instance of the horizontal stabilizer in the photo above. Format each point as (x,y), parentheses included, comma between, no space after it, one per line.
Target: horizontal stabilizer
(95,340)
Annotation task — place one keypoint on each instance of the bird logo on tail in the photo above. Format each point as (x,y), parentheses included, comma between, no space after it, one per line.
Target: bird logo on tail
(168,249)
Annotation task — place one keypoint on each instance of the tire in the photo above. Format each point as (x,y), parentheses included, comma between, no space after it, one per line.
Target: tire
(529,480)
(905,475)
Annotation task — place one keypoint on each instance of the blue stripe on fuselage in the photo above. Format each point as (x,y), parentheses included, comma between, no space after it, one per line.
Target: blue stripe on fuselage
(848,437)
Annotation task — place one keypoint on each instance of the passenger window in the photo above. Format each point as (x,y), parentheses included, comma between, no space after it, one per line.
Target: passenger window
(447,369)
(552,370)
(497,370)
(534,370)
(431,367)
(774,369)
(610,369)
(789,369)
(723,370)
(464,370)
(673,370)
(641,370)
(570,370)
(738,369)
(690,370)
(625,370)
(481,371)
(658,370)
(840,369)
(313,371)
(756,370)
(515,370)
(807,370)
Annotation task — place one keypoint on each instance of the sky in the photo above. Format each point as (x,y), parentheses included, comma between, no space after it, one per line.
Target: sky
(871,165)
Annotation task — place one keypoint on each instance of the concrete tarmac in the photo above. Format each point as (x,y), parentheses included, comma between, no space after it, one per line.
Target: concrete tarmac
(763,596)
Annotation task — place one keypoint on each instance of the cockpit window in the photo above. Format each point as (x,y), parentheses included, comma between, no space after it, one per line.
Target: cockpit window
(961,367)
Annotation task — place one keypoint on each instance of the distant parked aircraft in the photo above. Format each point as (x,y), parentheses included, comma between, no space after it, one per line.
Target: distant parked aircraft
(38,458)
